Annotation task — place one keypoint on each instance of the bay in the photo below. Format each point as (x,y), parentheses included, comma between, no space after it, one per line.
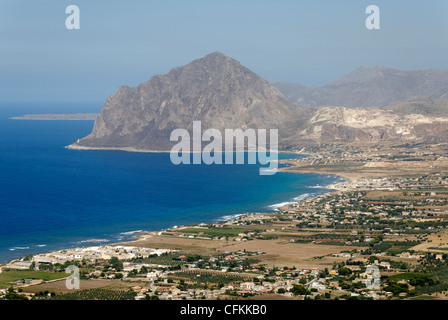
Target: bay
(53,198)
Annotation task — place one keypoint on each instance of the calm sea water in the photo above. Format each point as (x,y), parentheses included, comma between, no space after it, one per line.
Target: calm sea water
(52,197)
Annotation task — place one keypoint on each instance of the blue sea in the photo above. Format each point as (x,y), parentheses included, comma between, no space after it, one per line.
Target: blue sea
(53,198)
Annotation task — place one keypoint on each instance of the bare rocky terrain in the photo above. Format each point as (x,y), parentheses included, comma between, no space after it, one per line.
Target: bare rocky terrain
(372,125)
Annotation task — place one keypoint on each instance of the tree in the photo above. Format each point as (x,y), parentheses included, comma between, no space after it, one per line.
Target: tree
(344,271)
(281,291)
(193,257)
(182,287)
(143,270)
(15,296)
(115,263)
(11,295)
(299,290)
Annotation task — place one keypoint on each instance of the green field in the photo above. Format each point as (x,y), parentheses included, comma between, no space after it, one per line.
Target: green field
(209,277)
(425,298)
(6,277)
(169,259)
(408,276)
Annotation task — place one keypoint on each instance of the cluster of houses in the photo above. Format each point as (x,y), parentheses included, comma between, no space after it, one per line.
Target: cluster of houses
(159,278)
(93,254)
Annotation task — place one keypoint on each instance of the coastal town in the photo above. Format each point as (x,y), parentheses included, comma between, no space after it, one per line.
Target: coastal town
(369,238)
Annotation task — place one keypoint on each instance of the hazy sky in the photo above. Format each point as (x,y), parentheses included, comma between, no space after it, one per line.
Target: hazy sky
(127,42)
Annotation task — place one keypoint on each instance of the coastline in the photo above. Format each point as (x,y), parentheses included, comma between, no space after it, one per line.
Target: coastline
(356,173)
(145,234)
(127,149)
(148,234)
(74,146)
(85,116)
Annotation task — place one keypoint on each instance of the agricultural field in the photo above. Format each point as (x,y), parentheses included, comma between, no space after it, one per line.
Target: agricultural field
(284,253)
(96,294)
(8,277)
(437,242)
(170,259)
(214,232)
(202,276)
(59,286)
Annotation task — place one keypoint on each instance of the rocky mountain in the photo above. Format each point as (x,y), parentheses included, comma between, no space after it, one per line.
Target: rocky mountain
(216,89)
(370,87)
(223,94)
(291,91)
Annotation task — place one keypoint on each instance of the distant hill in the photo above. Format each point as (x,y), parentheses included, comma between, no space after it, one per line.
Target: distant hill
(421,105)
(369,87)
(291,91)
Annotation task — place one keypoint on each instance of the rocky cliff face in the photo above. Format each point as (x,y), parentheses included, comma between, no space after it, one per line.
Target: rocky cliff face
(216,89)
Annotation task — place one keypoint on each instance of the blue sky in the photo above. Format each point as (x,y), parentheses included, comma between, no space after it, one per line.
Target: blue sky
(126,42)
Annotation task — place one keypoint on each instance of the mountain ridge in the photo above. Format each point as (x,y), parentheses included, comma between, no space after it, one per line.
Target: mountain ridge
(369,87)
(221,93)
